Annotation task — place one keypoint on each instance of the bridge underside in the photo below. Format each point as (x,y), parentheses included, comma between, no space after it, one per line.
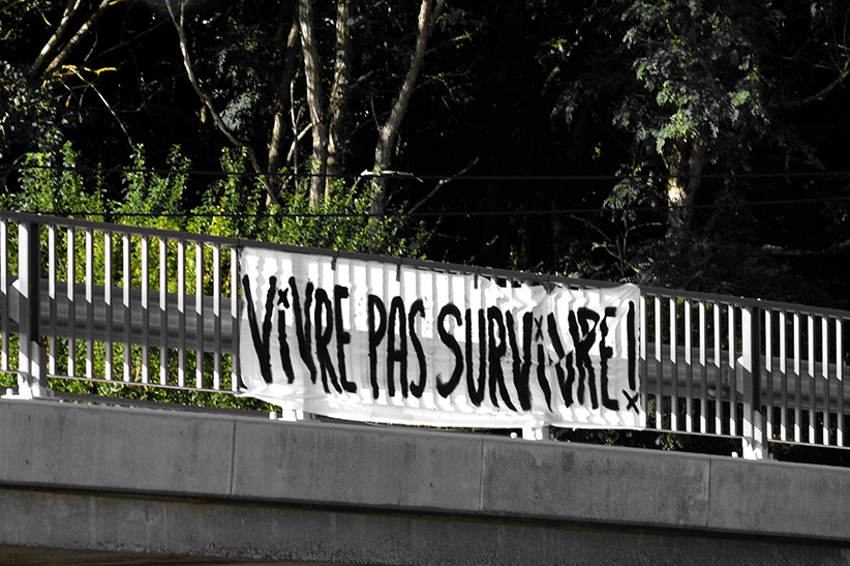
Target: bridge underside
(102,485)
(207,532)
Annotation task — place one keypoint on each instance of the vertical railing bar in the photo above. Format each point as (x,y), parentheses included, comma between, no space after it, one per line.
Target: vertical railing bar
(689,394)
(127,303)
(31,378)
(38,385)
(674,367)
(417,292)
(217,291)
(181,313)
(435,297)
(659,398)
(199,314)
(760,437)
(798,409)
(644,362)
(234,319)
(783,371)
(839,377)
(72,307)
(4,290)
(163,311)
(768,373)
(751,426)
(89,239)
(145,306)
(718,375)
(825,403)
(733,382)
(703,402)
(51,296)
(107,304)
(810,327)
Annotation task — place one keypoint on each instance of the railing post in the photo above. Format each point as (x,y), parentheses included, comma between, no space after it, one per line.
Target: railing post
(541,432)
(750,364)
(32,381)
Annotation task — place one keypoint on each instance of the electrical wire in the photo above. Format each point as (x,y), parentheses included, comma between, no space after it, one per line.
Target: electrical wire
(427,176)
(427,214)
(468,213)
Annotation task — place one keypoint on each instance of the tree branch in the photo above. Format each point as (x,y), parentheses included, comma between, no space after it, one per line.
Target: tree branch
(429,11)
(70,9)
(292,156)
(76,72)
(821,94)
(81,32)
(443,182)
(297,138)
(207,101)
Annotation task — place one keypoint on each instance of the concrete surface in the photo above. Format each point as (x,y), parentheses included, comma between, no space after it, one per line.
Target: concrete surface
(158,486)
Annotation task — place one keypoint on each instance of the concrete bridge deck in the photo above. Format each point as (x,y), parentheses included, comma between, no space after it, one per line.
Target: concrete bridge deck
(107,485)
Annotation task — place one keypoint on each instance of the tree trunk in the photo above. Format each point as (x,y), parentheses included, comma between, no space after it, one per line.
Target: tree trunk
(429,11)
(684,164)
(312,74)
(337,127)
(282,100)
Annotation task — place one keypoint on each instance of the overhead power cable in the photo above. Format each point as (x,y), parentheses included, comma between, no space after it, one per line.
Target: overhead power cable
(429,176)
(427,214)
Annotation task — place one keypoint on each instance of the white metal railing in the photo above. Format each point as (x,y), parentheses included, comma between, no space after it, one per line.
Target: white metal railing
(120,305)
(759,370)
(86,305)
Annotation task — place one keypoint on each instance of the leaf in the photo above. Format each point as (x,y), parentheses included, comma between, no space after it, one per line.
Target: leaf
(739,98)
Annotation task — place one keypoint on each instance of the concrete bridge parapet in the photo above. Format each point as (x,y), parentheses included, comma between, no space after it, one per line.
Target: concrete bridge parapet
(219,486)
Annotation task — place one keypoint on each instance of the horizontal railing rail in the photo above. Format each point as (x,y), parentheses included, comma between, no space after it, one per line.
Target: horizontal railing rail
(95,303)
(760,370)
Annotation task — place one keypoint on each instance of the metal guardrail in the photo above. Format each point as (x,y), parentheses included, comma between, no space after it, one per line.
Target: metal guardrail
(85,302)
(115,304)
(759,370)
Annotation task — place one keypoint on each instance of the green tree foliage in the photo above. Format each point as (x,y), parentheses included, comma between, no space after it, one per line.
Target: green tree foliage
(156,198)
(151,198)
(683,82)
(699,88)
(686,102)
(52,184)
(692,102)
(28,114)
(233,205)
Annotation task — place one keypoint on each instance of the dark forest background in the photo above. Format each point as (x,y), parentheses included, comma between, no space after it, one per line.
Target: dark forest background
(682,143)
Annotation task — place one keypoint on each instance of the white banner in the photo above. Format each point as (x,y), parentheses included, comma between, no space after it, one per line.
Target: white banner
(386,342)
